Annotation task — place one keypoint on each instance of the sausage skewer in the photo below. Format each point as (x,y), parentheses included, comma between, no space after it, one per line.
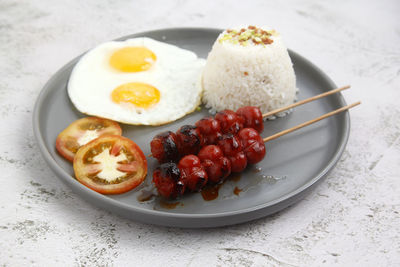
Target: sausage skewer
(214,163)
(169,146)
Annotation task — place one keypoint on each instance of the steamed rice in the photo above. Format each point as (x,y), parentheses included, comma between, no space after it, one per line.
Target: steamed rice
(248,73)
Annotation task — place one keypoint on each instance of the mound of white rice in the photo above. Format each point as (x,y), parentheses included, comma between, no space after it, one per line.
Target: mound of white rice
(248,67)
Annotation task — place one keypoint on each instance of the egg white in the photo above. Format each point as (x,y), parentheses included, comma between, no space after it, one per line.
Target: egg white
(176,74)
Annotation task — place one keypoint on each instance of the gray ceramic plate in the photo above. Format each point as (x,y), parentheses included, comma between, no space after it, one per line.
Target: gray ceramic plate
(293,165)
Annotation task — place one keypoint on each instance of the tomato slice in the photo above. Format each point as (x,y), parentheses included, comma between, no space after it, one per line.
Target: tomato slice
(110,164)
(82,131)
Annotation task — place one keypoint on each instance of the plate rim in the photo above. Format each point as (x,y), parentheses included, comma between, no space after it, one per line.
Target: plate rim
(91,195)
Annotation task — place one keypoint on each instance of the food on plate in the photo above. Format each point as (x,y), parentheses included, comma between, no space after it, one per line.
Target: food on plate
(103,160)
(253,145)
(190,140)
(232,147)
(110,164)
(210,129)
(167,178)
(212,165)
(138,81)
(169,146)
(252,117)
(164,147)
(82,131)
(230,121)
(248,67)
(142,81)
(217,166)
(193,175)
(193,172)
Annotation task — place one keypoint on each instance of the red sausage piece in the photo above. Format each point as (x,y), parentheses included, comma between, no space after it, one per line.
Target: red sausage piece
(167,180)
(253,145)
(210,129)
(252,118)
(230,122)
(193,174)
(189,140)
(164,147)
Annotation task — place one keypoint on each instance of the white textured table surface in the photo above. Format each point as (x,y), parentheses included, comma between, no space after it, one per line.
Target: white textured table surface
(352,218)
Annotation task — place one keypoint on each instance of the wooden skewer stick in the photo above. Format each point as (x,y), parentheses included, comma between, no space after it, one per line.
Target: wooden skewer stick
(306,101)
(272,137)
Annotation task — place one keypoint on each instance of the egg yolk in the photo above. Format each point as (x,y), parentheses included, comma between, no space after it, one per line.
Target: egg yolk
(132,59)
(141,95)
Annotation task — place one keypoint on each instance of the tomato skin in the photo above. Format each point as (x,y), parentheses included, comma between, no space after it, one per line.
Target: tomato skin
(67,154)
(81,167)
(67,141)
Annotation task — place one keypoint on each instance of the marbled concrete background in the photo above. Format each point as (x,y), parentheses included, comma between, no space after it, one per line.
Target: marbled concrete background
(352,218)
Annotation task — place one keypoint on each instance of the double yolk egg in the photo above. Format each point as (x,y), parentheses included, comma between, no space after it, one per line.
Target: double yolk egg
(137,81)
(134,59)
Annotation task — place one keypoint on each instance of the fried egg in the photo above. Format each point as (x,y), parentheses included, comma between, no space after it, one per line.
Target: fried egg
(138,81)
